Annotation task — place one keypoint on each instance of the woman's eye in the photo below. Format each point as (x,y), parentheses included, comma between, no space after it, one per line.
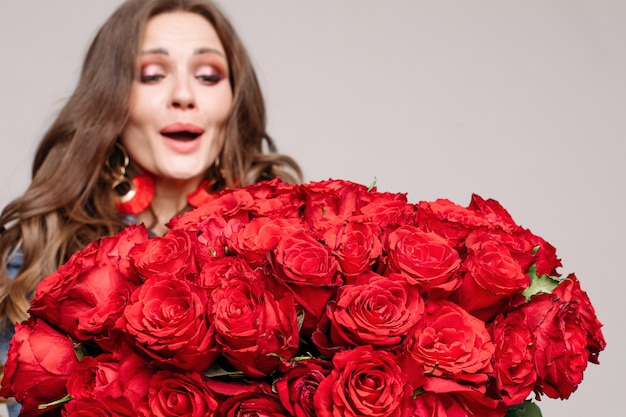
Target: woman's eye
(209,75)
(151,74)
(210,79)
(151,78)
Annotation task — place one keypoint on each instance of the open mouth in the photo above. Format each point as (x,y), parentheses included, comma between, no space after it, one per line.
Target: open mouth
(182,136)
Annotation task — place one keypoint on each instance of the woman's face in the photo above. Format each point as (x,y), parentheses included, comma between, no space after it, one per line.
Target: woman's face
(181,99)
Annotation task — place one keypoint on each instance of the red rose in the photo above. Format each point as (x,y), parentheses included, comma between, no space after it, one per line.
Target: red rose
(297,384)
(254,327)
(445,398)
(567,336)
(99,325)
(168,256)
(491,275)
(569,291)
(251,404)
(497,215)
(180,394)
(377,311)
(367,382)
(451,343)
(303,260)
(545,258)
(229,204)
(267,189)
(307,268)
(389,210)
(120,380)
(513,364)
(517,239)
(332,201)
(253,240)
(275,198)
(449,220)
(526,247)
(356,245)
(168,320)
(117,248)
(426,258)
(40,361)
(82,297)
(520,245)
(219,271)
(210,241)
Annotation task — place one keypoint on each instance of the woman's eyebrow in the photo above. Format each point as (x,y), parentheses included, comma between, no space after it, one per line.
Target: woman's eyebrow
(199,51)
(155,51)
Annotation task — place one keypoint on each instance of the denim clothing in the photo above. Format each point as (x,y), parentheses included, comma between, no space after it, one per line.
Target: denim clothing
(13,266)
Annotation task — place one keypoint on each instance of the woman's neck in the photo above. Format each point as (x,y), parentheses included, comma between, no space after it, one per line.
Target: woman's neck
(170,199)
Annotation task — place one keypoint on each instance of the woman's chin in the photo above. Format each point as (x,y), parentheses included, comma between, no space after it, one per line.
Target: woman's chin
(181,176)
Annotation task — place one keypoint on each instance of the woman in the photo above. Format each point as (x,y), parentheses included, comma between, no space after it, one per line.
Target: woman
(155,125)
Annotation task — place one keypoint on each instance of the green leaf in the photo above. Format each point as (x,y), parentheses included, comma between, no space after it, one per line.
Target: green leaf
(78,350)
(539,284)
(526,409)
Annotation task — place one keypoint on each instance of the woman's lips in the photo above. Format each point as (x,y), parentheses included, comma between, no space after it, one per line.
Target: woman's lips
(182,137)
(184,131)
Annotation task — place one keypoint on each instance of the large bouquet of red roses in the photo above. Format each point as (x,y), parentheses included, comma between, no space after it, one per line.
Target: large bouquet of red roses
(323,299)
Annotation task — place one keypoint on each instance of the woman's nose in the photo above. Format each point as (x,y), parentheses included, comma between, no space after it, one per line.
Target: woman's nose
(182,94)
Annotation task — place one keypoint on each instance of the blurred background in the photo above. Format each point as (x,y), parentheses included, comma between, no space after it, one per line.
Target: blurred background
(520,101)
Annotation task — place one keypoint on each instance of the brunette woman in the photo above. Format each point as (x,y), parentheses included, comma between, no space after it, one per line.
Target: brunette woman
(167,111)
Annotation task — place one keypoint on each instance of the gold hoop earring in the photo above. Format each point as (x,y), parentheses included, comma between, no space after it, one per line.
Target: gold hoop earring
(117,163)
(133,195)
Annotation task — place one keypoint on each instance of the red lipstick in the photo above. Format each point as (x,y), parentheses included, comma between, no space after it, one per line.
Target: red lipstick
(182,131)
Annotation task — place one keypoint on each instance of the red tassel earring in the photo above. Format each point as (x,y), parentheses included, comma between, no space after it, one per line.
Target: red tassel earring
(202,194)
(139,197)
(208,188)
(134,195)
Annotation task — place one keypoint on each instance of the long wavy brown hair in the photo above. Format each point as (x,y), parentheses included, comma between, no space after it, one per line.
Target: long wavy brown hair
(69,202)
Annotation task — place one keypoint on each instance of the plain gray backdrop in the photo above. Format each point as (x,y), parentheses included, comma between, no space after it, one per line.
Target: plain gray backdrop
(521,100)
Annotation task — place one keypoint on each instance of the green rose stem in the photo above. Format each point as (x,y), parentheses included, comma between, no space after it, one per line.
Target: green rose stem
(372,185)
(417,392)
(80,352)
(63,400)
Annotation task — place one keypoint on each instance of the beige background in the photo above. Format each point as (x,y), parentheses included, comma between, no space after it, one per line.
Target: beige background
(519,100)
